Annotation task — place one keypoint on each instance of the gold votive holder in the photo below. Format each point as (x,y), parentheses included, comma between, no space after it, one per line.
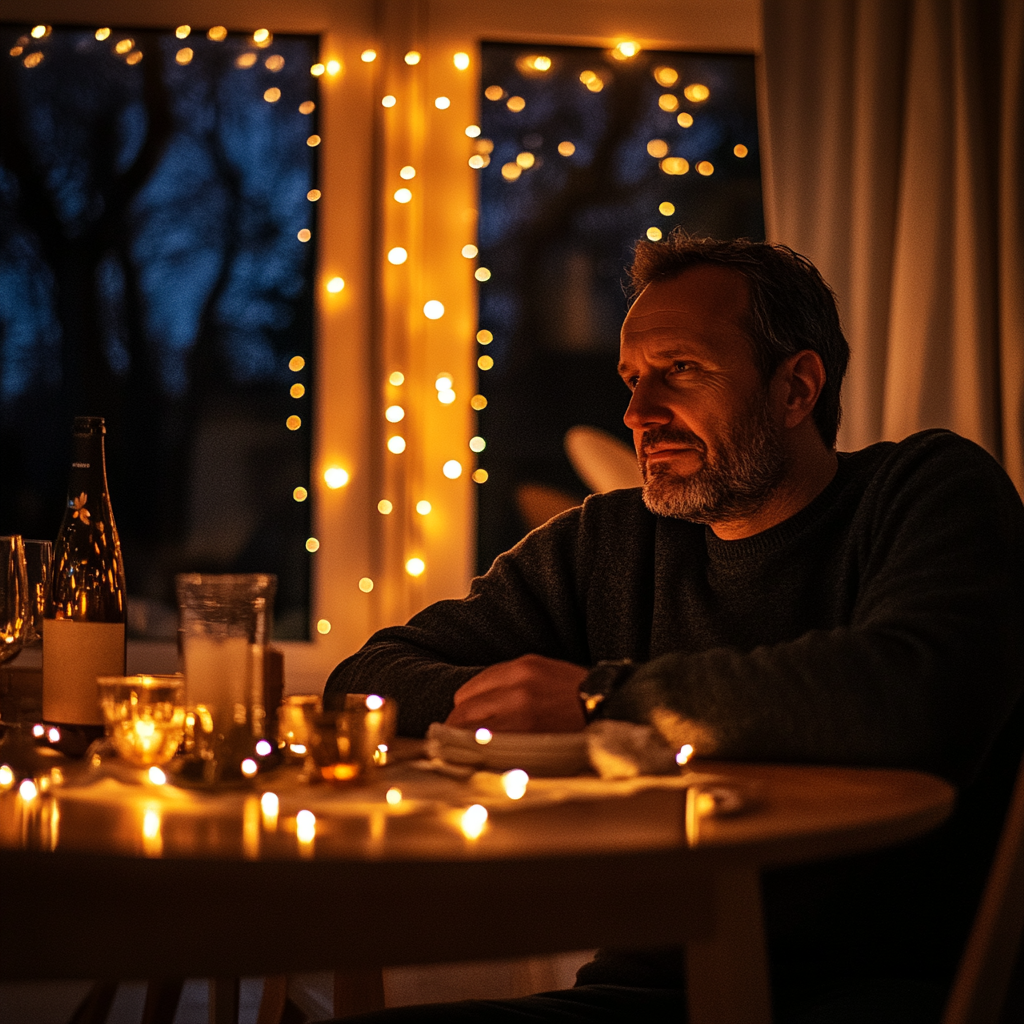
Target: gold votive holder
(295,721)
(369,726)
(332,757)
(144,716)
(351,743)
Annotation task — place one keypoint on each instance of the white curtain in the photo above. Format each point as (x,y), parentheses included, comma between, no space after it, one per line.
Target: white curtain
(895,161)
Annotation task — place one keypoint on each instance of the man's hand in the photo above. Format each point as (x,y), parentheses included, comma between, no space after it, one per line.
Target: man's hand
(528,694)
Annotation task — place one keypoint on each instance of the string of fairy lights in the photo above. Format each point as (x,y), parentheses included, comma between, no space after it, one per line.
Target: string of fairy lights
(530,65)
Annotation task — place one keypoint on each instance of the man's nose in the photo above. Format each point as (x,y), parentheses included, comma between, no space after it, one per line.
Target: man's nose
(645,408)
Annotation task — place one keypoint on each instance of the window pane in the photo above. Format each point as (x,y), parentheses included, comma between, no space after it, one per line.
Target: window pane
(579,155)
(156,260)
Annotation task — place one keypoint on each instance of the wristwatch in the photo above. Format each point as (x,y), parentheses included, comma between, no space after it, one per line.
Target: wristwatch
(600,683)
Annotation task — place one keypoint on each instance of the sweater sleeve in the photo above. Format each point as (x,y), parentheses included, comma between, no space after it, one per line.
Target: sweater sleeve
(931,663)
(527,603)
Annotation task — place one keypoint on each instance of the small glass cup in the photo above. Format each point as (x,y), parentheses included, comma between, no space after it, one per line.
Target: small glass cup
(225,623)
(332,756)
(144,716)
(369,723)
(351,743)
(295,721)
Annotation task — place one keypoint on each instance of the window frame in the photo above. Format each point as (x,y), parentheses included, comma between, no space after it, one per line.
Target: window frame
(374,322)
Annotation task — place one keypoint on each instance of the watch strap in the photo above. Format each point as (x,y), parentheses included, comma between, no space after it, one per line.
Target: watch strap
(600,683)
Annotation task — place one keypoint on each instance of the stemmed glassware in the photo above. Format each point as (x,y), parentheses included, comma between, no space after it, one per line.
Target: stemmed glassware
(38,555)
(15,619)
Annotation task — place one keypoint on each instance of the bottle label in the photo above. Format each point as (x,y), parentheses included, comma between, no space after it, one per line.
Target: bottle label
(74,654)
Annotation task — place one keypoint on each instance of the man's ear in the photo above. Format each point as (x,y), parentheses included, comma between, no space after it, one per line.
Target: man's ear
(797,383)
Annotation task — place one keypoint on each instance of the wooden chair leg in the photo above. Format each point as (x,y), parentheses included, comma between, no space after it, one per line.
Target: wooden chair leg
(273,999)
(93,1009)
(162,998)
(223,1000)
(358,992)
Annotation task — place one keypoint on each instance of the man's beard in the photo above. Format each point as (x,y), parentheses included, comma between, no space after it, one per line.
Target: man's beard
(739,473)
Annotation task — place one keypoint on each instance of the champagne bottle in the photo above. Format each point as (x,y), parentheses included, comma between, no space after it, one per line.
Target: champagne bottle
(84,620)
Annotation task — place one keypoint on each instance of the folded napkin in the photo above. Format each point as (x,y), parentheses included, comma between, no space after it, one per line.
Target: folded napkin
(623,750)
(615,750)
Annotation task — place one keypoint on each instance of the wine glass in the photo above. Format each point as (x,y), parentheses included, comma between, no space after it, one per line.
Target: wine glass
(14,603)
(38,555)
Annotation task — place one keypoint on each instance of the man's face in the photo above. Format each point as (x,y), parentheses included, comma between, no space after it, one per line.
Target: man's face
(709,444)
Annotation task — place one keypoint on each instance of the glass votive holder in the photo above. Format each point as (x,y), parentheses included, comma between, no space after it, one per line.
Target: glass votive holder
(332,756)
(295,719)
(144,716)
(369,726)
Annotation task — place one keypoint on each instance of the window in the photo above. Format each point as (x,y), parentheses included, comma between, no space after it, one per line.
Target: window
(581,152)
(158,202)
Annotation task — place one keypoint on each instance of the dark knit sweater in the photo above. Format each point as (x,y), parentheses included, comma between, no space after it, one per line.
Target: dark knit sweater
(881,625)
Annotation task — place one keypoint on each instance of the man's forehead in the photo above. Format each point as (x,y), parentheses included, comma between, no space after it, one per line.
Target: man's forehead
(701,299)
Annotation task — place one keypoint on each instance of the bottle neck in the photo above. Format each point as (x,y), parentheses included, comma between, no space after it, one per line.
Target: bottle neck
(88,468)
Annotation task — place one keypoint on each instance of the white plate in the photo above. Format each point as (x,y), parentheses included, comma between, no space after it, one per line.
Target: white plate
(537,753)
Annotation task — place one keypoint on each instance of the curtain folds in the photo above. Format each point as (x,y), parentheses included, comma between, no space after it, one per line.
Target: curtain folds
(895,161)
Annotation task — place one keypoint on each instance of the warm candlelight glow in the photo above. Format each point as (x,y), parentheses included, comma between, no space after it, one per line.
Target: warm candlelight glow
(152,839)
(157,776)
(249,767)
(483,736)
(393,795)
(514,783)
(685,753)
(263,748)
(6,776)
(374,702)
(473,821)
(305,826)
(270,805)
(27,790)
(335,477)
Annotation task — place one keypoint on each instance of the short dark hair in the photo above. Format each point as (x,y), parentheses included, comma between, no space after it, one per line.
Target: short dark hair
(791,306)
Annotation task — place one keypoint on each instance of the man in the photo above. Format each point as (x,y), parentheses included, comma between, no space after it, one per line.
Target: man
(761,597)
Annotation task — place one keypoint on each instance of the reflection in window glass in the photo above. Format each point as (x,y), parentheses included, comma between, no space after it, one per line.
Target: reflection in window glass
(579,155)
(153,202)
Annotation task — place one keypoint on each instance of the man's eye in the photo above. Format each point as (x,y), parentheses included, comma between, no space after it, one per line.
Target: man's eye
(681,366)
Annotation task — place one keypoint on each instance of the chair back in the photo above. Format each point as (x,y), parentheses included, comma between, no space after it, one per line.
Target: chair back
(983,978)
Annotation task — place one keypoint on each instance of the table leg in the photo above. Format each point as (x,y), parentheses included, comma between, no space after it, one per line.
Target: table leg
(358,991)
(727,973)
(223,1000)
